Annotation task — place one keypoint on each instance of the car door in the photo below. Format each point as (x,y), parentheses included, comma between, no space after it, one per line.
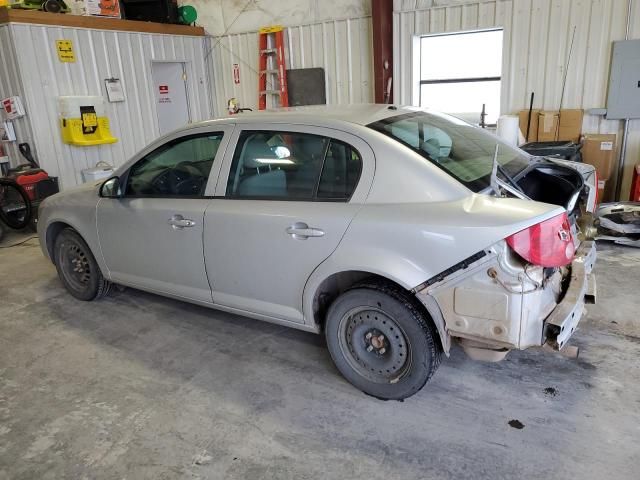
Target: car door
(151,238)
(283,202)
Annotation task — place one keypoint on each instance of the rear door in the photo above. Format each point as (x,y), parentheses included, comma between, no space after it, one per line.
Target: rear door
(284,200)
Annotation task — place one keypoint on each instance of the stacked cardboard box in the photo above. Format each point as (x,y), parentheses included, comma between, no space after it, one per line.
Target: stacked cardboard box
(598,149)
(549,126)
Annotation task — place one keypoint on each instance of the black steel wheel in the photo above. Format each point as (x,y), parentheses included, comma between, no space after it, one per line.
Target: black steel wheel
(15,205)
(77,267)
(382,341)
(374,345)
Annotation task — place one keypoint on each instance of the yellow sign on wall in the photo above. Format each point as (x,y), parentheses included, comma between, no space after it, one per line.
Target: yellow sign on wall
(65,51)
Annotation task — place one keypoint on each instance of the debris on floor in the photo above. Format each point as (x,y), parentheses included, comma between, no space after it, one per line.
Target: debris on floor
(619,222)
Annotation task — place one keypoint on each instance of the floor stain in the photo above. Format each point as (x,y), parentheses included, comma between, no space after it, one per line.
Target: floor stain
(516,424)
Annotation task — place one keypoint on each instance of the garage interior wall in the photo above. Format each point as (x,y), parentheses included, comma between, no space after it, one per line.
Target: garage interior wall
(100,54)
(537,35)
(341,47)
(11,85)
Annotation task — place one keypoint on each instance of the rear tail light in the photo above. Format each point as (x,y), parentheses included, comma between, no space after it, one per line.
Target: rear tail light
(548,244)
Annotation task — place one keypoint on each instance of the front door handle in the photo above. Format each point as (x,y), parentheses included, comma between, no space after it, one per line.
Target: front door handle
(302,231)
(178,222)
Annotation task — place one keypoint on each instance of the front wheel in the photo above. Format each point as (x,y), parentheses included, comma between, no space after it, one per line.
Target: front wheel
(381,341)
(77,267)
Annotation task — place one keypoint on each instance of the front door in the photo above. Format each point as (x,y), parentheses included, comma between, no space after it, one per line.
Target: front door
(289,197)
(170,93)
(152,238)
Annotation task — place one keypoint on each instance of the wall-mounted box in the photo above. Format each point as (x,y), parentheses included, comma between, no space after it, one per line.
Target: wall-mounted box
(83,121)
(623,99)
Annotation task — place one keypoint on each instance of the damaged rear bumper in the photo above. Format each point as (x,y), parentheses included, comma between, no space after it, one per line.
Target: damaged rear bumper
(497,304)
(563,321)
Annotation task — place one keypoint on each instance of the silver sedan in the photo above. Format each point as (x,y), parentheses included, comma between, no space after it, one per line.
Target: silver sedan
(395,232)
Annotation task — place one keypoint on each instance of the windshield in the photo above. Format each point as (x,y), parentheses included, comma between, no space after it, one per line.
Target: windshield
(463,151)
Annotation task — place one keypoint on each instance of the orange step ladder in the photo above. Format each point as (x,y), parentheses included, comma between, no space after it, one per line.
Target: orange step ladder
(272,78)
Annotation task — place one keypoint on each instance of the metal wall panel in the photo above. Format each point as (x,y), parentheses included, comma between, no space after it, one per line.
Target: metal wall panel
(341,47)
(11,85)
(101,54)
(537,35)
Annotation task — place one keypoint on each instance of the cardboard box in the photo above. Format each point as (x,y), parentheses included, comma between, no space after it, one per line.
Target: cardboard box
(569,128)
(602,186)
(100,8)
(523,115)
(547,126)
(570,125)
(599,150)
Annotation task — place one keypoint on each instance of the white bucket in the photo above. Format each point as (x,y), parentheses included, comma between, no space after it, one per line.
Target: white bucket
(101,171)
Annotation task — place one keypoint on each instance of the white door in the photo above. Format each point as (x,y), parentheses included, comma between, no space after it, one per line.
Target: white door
(170,94)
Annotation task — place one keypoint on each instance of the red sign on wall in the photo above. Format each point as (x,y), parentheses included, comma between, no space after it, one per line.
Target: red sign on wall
(164,89)
(236,73)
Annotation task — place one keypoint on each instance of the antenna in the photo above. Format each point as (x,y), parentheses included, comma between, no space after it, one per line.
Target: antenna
(564,81)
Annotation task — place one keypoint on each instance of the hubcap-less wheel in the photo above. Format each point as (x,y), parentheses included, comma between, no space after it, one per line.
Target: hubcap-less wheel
(381,340)
(75,265)
(77,268)
(374,345)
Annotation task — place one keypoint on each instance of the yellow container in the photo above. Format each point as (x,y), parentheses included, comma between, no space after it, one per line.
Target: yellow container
(83,121)
(73,132)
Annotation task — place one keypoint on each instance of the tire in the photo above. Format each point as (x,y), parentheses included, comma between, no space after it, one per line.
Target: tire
(77,268)
(15,205)
(381,341)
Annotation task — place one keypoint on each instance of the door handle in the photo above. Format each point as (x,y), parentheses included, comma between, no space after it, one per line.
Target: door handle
(302,231)
(178,222)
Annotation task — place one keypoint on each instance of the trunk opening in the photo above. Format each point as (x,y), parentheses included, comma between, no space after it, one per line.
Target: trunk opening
(552,183)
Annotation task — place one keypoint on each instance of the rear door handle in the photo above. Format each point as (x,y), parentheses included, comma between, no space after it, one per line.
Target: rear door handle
(302,231)
(178,222)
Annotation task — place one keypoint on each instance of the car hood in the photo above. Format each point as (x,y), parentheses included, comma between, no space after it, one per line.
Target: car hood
(84,194)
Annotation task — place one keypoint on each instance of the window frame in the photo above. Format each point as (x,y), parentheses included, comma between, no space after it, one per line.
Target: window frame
(441,81)
(214,171)
(284,131)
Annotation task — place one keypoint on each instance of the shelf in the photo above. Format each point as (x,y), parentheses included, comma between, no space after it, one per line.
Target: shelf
(15,15)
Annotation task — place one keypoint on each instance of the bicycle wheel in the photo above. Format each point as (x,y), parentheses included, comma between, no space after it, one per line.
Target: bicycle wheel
(15,206)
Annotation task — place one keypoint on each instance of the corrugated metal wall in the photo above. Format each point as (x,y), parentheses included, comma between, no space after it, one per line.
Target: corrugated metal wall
(11,85)
(101,54)
(341,47)
(537,34)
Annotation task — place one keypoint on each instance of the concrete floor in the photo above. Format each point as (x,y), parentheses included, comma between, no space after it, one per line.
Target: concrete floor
(138,386)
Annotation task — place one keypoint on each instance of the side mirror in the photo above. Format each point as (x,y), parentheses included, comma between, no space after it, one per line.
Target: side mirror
(111,188)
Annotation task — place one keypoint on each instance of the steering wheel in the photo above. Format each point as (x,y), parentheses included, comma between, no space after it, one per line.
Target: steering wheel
(162,182)
(189,179)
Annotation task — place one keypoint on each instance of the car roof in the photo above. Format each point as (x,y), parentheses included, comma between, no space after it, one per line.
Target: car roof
(359,114)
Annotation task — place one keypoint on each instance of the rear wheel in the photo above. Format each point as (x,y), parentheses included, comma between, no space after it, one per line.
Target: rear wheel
(381,341)
(77,267)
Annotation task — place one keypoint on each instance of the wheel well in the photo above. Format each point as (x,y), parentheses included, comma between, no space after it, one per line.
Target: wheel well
(332,286)
(53,231)
(340,282)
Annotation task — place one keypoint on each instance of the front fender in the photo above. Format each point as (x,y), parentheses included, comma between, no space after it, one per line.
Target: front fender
(76,208)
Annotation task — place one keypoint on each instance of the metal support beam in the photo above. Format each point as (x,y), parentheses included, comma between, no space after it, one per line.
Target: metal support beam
(625,132)
(382,13)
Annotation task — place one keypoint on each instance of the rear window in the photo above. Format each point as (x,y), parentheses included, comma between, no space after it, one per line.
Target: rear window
(463,151)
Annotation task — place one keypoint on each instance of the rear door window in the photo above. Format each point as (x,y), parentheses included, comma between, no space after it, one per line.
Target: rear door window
(279,165)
